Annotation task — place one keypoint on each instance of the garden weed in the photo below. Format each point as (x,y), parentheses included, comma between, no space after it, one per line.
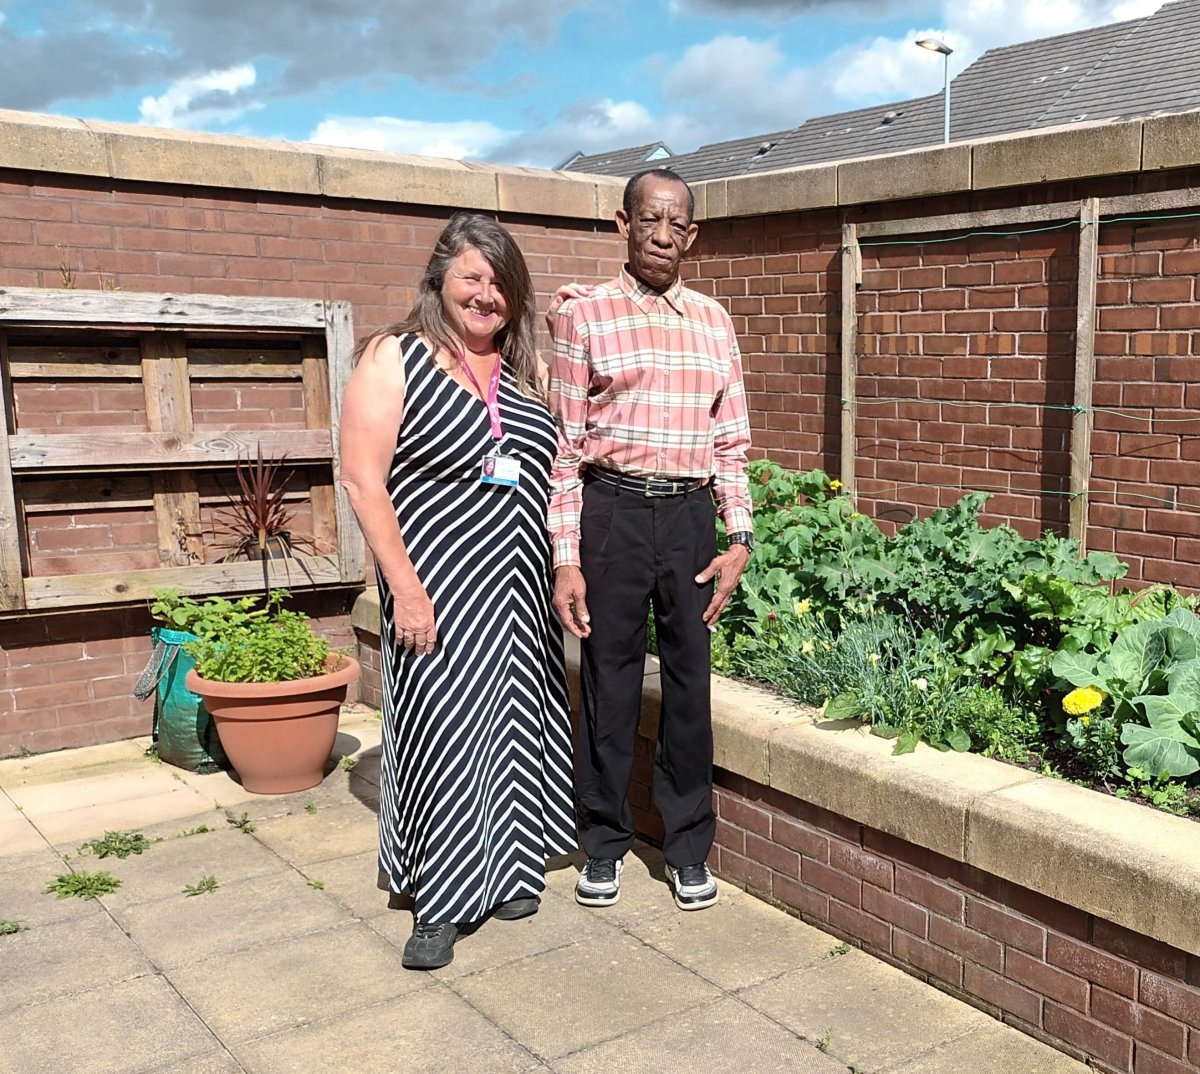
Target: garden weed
(206,885)
(82,885)
(242,823)
(118,844)
(9,928)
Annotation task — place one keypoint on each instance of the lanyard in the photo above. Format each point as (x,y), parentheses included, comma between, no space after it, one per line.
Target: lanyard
(491,400)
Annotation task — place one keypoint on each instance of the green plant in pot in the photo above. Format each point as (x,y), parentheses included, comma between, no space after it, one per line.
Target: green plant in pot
(272,686)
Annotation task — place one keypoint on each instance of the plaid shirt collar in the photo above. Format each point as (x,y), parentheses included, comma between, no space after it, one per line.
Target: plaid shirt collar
(645,297)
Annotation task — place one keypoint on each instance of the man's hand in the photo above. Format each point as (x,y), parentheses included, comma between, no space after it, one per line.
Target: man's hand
(727,568)
(570,601)
(567,290)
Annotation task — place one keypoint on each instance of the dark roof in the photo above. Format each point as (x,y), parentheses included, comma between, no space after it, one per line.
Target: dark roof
(1135,68)
(622,162)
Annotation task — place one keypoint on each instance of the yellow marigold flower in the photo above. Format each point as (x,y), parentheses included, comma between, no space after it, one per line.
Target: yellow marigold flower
(873,658)
(807,648)
(1083,699)
(802,607)
(835,484)
(1085,720)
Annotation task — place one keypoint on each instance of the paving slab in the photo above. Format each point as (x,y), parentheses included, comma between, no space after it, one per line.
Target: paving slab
(23,895)
(127,1028)
(431,1031)
(558,923)
(644,891)
(163,869)
(62,959)
(544,1003)
(991,1049)
(295,982)
(739,942)
(872,1014)
(723,1037)
(264,910)
(66,766)
(215,1061)
(332,832)
(18,836)
(350,881)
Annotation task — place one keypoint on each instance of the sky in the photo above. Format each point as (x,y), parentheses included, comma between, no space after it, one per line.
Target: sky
(525,82)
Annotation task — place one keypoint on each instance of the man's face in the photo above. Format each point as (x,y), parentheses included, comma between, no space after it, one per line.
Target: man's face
(658,233)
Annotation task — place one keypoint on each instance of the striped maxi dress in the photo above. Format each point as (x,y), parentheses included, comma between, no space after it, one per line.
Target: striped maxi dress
(476,757)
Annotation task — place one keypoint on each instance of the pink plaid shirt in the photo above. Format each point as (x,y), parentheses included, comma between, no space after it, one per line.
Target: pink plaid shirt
(648,385)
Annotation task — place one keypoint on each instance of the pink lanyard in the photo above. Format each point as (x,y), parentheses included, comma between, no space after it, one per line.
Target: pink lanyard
(491,400)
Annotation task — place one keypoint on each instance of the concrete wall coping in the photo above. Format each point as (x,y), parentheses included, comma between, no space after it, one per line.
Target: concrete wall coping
(1124,862)
(45,143)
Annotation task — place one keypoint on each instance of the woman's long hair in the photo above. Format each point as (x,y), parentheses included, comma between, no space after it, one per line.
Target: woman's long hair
(427,318)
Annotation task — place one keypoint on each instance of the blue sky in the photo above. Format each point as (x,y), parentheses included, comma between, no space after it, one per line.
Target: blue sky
(512,81)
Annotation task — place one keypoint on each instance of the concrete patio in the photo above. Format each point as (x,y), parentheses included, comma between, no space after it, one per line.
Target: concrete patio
(292,963)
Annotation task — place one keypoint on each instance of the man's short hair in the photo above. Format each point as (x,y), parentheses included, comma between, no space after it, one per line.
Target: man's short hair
(656,173)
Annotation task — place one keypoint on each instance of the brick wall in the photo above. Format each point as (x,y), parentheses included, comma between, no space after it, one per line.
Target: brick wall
(65,679)
(966,368)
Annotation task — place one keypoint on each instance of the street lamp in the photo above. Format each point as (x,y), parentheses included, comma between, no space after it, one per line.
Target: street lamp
(934,45)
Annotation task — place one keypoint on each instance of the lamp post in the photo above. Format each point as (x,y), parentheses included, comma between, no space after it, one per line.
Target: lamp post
(934,45)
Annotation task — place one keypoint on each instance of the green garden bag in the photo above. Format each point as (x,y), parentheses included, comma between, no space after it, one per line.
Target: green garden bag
(184,733)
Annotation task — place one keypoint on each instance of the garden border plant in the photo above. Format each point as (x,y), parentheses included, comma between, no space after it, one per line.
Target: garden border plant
(969,637)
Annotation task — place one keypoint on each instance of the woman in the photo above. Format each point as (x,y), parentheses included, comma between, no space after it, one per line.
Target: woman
(446,450)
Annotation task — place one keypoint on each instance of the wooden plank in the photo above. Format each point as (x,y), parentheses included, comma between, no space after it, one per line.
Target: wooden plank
(969,221)
(851,276)
(315,369)
(61,306)
(169,410)
(1085,366)
(339,348)
(68,591)
(12,592)
(1154,201)
(100,450)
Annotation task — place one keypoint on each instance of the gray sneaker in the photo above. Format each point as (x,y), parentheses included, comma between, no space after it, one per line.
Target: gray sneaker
(599,882)
(430,946)
(693,886)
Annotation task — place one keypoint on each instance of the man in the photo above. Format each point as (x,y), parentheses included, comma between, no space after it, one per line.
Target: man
(646,385)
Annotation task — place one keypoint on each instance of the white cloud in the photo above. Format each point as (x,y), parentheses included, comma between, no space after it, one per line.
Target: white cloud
(470,139)
(199,100)
(585,127)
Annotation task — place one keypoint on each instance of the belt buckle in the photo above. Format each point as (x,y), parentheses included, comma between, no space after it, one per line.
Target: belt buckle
(659,487)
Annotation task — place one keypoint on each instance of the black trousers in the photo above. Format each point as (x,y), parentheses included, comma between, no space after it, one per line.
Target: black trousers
(639,552)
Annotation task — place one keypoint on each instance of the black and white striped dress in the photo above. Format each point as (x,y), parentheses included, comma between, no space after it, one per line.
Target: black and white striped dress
(476,761)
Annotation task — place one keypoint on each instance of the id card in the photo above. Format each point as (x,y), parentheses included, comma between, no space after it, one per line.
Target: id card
(501,470)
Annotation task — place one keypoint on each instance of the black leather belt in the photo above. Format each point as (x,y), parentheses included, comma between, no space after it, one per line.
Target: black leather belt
(649,486)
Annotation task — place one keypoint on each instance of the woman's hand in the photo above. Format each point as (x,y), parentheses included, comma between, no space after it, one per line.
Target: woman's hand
(412,620)
(566,291)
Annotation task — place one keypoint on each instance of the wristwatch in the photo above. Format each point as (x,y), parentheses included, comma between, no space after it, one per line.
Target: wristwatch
(745,537)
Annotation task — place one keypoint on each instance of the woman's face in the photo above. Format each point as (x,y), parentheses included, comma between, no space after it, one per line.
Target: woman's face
(474,307)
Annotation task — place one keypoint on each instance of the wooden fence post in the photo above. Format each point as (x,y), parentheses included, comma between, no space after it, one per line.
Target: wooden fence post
(1085,365)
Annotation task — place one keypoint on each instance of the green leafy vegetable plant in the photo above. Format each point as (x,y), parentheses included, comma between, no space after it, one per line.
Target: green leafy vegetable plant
(83,885)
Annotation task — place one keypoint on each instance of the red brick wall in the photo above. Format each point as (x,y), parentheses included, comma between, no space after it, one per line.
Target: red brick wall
(966,369)
(65,679)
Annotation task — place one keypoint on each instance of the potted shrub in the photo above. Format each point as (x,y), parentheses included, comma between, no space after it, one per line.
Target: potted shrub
(272,686)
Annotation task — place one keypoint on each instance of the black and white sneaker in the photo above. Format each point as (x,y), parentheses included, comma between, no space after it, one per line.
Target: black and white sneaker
(599,882)
(693,886)
(430,946)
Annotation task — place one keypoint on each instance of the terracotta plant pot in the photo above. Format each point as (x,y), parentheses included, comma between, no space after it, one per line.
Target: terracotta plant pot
(278,735)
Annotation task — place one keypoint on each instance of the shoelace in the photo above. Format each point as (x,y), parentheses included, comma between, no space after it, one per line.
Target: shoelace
(692,876)
(601,870)
(426,931)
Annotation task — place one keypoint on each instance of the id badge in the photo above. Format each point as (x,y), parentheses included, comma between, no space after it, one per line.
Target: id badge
(501,470)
